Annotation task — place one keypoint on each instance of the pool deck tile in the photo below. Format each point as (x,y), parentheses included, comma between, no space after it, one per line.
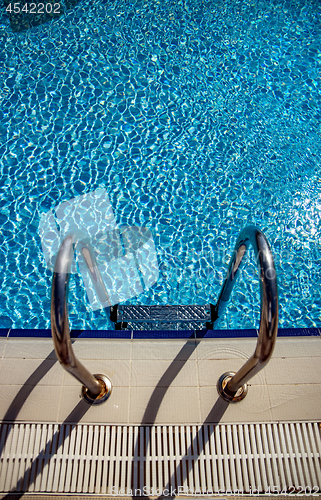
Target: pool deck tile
(307,370)
(29,348)
(29,403)
(19,371)
(157,349)
(73,408)
(3,342)
(224,348)
(164,405)
(294,347)
(254,408)
(119,371)
(295,402)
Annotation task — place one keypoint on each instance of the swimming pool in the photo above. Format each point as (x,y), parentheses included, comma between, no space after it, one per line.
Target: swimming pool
(198,118)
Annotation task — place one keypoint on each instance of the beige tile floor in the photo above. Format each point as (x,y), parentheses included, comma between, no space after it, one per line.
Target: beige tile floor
(160,381)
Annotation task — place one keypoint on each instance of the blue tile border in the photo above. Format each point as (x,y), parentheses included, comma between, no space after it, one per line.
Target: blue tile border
(29,333)
(159,334)
(299,332)
(225,334)
(100,334)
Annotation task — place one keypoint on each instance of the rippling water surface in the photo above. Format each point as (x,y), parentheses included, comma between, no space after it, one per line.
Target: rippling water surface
(198,117)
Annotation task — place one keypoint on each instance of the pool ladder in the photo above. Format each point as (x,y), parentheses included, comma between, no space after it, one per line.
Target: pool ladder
(96,388)
(231,386)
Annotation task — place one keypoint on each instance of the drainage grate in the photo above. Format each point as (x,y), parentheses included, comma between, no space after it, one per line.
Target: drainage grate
(154,460)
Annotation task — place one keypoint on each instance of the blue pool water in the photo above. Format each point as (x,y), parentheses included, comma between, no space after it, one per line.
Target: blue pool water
(198,118)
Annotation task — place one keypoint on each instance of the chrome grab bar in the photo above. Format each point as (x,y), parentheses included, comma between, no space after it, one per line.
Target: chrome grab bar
(232,386)
(96,388)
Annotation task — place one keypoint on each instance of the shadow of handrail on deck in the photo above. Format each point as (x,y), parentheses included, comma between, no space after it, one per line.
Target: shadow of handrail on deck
(165,381)
(214,417)
(25,391)
(50,449)
(11,414)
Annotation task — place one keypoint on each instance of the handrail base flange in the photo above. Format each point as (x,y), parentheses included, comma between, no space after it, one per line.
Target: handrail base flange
(225,393)
(104,394)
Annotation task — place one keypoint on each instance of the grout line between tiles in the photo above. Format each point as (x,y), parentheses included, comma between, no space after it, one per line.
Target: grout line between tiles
(60,399)
(198,379)
(130,377)
(4,349)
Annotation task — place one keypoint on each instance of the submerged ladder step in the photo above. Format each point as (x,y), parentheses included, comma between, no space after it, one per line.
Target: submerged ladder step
(164,313)
(167,317)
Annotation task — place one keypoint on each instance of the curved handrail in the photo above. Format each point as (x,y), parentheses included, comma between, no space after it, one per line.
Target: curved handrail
(96,385)
(229,384)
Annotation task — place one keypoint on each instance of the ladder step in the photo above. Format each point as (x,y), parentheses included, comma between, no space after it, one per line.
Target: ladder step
(157,314)
(164,326)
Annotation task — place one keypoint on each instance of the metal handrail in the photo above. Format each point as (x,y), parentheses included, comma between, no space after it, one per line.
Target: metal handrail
(232,386)
(97,387)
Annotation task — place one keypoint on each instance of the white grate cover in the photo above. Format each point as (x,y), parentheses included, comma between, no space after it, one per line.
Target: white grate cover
(161,460)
